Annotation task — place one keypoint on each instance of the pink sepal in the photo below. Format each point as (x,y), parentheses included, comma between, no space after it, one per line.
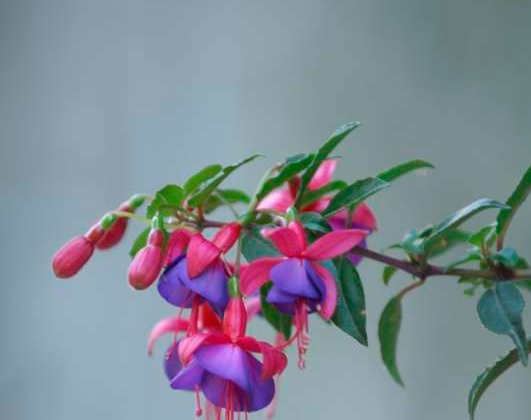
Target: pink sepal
(277,200)
(274,361)
(324,174)
(201,253)
(335,243)
(256,274)
(177,243)
(189,345)
(164,326)
(286,239)
(328,305)
(227,236)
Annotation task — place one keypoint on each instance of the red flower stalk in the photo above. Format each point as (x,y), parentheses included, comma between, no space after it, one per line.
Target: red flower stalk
(73,255)
(146,265)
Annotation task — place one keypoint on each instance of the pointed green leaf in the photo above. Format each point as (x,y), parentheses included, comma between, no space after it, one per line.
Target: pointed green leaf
(280,322)
(486,235)
(291,167)
(324,151)
(255,246)
(314,221)
(514,202)
(210,186)
(221,197)
(388,330)
(489,375)
(507,256)
(500,311)
(404,168)
(140,242)
(197,179)
(471,255)
(448,242)
(312,195)
(168,198)
(388,272)
(354,194)
(459,217)
(350,314)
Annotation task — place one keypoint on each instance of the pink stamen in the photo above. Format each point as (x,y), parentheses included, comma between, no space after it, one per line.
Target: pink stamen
(301,324)
(198,409)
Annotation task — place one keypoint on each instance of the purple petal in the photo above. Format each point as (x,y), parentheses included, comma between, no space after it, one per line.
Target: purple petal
(216,390)
(172,364)
(189,377)
(262,390)
(227,361)
(210,284)
(172,289)
(291,276)
(316,280)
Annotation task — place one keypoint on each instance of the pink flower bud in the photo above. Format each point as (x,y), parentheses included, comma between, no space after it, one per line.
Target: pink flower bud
(227,236)
(235,318)
(115,233)
(73,255)
(146,265)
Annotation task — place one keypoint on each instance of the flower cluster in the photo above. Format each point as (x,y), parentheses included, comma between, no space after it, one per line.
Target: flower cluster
(210,353)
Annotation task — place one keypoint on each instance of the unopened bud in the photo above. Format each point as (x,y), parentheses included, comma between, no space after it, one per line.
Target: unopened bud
(147,263)
(235,318)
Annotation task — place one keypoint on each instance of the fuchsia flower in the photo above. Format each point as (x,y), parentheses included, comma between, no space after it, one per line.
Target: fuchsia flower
(283,198)
(73,255)
(218,360)
(147,263)
(201,273)
(300,283)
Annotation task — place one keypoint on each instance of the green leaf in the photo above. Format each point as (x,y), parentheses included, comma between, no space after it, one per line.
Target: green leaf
(221,197)
(170,195)
(291,167)
(200,177)
(459,217)
(314,221)
(140,242)
(202,195)
(404,168)
(500,311)
(388,329)
(489,375)
(447,242)
(514,202)
(312,195)
(472,255)
(486,235)
(254,246)
(388,272)
(507,256)
(354,194)
(279,321)
(324,151)
(350,314)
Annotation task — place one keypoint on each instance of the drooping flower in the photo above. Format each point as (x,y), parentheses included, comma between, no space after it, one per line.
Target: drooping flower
(147,263)
(300,283)
(73,255)
(201,272)
(217,360)
(283,198)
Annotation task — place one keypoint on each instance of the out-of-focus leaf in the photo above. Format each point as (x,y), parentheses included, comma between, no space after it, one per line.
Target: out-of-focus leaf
(402,169)
(291,167)
(200,177)
(140,242)
(221,197)
(324,151)
(280,322)
(255,246)
(457,218)
(314,221)
(388,329)
(388,272)
(167,198)
(516,199)
(448,242)
(210,186)
(507,256)
(486,235)
(354,194)
(489,375)
(500,311)
(472,255)
(350,314)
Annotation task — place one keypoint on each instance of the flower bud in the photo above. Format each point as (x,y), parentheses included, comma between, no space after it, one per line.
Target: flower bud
(227,236)
(235,316)
(73,255)
(147,263)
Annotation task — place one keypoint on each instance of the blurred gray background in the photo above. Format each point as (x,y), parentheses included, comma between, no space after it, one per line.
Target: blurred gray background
(101,99)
